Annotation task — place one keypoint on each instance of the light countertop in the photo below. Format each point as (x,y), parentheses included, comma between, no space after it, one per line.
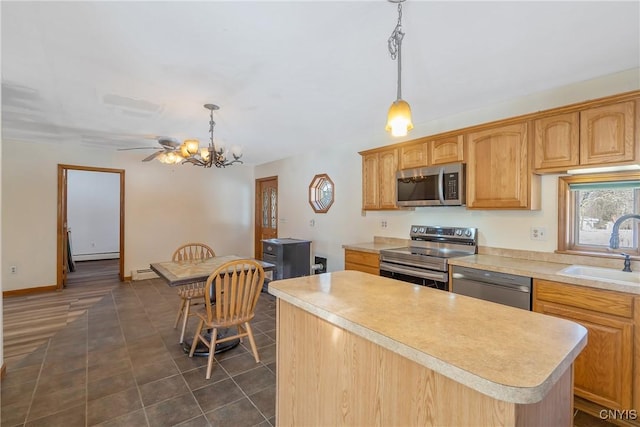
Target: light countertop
(538,265)
(504,352)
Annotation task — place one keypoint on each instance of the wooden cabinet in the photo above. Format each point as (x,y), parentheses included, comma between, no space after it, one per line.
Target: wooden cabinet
(607,134)
(597,136)
(379,180)
(447,150)
(556,142)
(423,152)
(498,172)
(603,372)
(367,262)
(415,155)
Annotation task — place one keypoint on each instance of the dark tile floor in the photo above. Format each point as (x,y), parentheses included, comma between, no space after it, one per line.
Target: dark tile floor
(120,364)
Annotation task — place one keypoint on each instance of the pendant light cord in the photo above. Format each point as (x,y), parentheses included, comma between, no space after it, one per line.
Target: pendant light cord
(395,48)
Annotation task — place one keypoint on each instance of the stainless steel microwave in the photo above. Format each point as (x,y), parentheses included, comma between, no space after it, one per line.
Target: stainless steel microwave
(431,186)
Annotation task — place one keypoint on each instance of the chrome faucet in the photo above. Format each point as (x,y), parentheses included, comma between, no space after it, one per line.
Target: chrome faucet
(614,241)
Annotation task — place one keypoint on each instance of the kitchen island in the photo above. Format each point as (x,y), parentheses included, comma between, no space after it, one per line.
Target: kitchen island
(359,349)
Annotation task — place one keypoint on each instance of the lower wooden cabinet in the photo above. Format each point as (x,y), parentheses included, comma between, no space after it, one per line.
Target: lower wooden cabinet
(367,262)
(604,371)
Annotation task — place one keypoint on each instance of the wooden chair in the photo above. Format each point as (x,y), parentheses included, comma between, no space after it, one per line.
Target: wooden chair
(231,295)
(193,293)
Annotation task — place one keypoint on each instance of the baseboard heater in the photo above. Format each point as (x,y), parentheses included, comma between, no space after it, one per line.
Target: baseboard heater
(144,274)
(96,256)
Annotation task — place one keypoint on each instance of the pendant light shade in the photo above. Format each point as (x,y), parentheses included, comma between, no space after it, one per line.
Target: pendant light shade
(399,118)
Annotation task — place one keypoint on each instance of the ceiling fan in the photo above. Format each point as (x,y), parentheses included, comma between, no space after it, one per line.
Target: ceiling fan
(169,145)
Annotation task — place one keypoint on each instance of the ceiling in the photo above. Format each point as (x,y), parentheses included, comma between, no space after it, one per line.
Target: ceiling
(289,76)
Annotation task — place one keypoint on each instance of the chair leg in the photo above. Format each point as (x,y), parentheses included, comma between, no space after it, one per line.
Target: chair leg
(212,350)
(252,342)
(196,338)
(186,310)
(182,301)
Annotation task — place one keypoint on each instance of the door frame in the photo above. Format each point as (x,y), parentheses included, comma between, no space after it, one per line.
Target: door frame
(257,243)
(62,208)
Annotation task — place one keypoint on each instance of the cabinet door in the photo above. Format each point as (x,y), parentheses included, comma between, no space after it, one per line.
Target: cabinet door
(388,166)
(362,261)
(607,134)
(414,155)
(447,150)
(497,168)
(602,372)
(556,142)
(370,188)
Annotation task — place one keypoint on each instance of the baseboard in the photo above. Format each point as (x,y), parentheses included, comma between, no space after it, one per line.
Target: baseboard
(28,291)
(143,274)
(3,371)
(96,257)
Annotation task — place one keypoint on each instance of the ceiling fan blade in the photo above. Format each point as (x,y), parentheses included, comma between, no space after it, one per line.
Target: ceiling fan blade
(168,142)
(153,156)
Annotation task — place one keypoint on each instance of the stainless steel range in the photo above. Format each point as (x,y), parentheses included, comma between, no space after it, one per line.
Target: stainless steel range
(424,262)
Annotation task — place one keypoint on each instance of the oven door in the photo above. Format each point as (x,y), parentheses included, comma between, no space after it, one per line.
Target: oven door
(417,276)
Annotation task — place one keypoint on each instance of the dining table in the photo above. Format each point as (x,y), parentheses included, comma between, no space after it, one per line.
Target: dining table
(184,272)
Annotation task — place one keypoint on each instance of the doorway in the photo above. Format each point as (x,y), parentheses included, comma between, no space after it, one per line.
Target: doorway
(63,245)
(266,212)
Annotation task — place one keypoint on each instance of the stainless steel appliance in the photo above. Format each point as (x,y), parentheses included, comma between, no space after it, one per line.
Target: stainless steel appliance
(503,288)
(292,257)
(424,262)
(431,186)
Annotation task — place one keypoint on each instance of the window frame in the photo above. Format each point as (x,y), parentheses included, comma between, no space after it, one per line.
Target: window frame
(566,215)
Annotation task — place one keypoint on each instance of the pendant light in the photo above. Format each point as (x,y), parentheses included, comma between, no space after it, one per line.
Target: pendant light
(399,117)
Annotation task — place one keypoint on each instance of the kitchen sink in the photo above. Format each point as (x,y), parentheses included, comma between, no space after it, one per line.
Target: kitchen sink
(610,275)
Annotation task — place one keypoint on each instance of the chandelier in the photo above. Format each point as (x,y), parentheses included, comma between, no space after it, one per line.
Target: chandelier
(399,116)
(191,152)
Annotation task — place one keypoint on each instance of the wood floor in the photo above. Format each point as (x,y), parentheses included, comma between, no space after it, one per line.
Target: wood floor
(32,319)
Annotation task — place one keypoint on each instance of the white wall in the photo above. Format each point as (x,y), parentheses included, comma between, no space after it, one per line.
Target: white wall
(345,222)
(93,214)
(165,206)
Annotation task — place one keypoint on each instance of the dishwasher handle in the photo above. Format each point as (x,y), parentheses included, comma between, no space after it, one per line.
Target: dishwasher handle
(497,284)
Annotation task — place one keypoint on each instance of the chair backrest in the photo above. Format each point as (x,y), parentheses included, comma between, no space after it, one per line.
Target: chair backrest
(191,251)
(236,285)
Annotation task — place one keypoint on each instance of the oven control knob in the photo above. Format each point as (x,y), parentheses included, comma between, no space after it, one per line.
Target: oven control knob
(467,233)
(458,232)
(422,230)
(414,229)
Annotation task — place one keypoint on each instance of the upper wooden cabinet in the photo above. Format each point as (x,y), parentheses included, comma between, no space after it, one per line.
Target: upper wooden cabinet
(425,152)
(603,135)
(498,173)
(415,155)
(379,180)
(556,142)
(607,134)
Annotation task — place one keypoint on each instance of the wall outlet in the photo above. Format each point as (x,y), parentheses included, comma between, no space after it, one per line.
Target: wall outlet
(312,223)
(538,233)
(383,224)
(13,269)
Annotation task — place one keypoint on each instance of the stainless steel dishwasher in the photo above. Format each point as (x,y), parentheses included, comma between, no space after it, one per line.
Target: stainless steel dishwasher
(503,288)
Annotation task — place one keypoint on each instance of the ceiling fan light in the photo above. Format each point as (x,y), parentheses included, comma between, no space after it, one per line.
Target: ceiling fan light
(205,153)
(184,150)
(192,146)
(399,118)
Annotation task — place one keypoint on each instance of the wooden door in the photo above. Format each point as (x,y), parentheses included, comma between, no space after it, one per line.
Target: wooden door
(266,209)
